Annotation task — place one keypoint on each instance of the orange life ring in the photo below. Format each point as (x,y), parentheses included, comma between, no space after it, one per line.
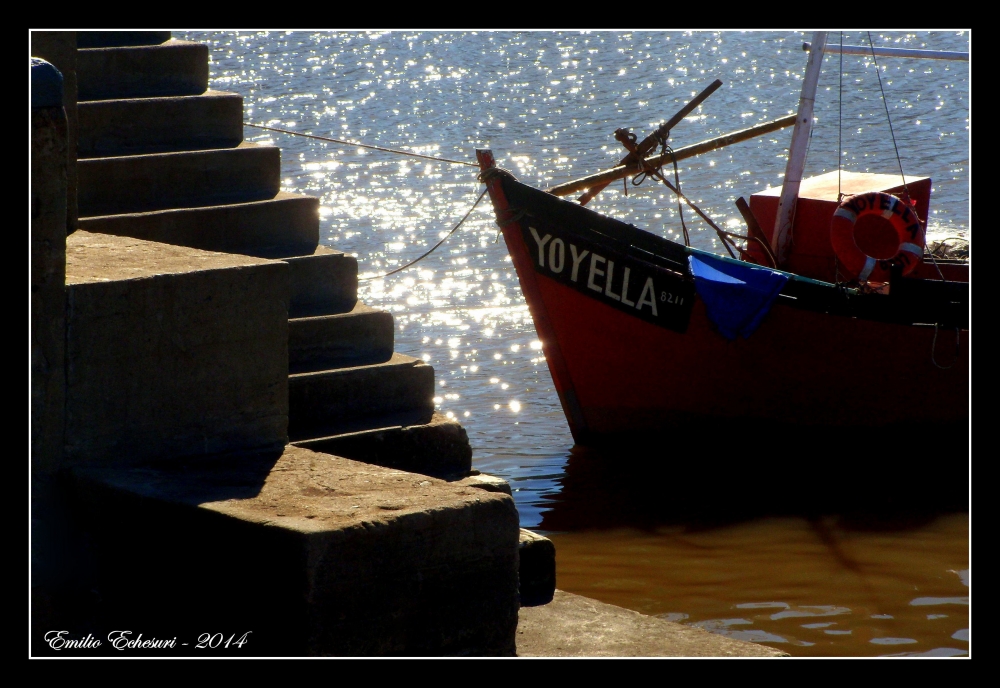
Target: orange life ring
(900,215)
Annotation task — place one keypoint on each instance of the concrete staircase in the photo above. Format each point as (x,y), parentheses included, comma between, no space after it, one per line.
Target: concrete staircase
(166,496)
(162,158)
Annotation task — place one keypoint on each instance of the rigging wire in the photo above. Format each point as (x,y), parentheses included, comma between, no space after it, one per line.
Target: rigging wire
(840,142)
(840,120)
(677,181)
(723,234)
(885,103)
(906,189)
(646,170)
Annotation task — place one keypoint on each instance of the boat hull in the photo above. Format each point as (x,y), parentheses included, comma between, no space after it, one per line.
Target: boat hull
(622,371)
(798,368)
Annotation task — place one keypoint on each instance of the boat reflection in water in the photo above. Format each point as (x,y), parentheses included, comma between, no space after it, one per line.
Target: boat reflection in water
(796,546)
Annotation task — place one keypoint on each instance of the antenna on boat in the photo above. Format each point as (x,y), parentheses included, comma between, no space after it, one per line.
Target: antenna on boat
(782,239)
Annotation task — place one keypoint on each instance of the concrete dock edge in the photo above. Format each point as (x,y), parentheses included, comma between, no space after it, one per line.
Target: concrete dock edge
(575,626)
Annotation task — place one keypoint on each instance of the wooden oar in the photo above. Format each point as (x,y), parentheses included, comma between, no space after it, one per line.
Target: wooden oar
(648,143)
(605,177)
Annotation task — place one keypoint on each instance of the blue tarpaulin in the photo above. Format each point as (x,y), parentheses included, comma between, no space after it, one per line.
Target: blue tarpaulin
(737,296)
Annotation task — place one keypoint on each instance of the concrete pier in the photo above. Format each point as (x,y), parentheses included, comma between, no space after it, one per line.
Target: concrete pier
(575,626)
(315,554)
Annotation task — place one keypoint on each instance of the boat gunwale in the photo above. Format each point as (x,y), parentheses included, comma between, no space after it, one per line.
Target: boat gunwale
(799,292)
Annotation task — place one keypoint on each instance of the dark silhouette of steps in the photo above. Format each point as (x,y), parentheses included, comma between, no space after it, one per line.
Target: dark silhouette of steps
(355,337)
(186,179)
(127,126)
(162,158)
(170,68)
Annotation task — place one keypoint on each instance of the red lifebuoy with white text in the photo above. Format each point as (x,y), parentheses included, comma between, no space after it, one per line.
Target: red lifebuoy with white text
(909,229)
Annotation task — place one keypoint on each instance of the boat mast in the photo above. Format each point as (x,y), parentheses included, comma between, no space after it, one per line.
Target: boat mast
(781,241)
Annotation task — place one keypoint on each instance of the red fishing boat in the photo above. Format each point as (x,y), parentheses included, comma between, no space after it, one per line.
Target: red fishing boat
(851,327)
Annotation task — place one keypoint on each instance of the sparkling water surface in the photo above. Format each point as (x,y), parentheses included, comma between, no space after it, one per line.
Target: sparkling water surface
(547,103)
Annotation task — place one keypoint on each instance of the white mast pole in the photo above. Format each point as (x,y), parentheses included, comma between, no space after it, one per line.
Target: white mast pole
(781,240)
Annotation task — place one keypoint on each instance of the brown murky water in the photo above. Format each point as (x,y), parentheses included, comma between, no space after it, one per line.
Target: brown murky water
(809,588)
(855,564)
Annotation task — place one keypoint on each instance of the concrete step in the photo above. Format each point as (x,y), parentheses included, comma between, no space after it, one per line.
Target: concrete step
(285,225)
(108,39)
(313,554)
(423,442)
(172,351)
(158,181)
(155,125)
(173,68)
(362,335)
(319,400)
(324,281)
(536,569)
(575,626)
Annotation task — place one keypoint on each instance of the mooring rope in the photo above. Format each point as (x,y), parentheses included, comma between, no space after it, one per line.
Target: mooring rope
(434,247)
(484,177)
(360,145)
(398,152)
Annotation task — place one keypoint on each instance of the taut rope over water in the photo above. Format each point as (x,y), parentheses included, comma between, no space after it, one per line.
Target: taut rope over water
(360,145)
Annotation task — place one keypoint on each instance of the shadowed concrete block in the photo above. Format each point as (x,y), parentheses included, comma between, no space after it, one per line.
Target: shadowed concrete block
(284,225)
(47,232)
(106,39)
(324,281)
(422,442)
(157,181)
(318,400)
(154,125)
(537,569)
(575,626)
(48,274)
(312,553)
(172,351)
(59,49)
(363,335)
(173,68)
